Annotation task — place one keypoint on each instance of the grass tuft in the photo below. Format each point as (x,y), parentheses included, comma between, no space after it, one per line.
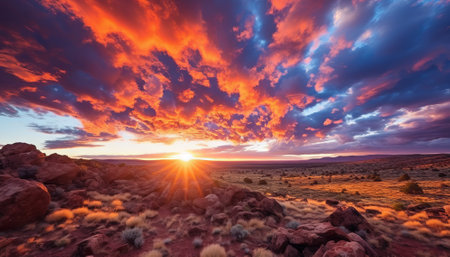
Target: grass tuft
(213,250)
(59,215)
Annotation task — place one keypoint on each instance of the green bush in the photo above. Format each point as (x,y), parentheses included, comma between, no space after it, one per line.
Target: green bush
(248,180)
(262,182)
(411,188)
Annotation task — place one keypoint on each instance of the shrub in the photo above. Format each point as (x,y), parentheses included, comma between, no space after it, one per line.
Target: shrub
(149,214)
(441,175)
(134,222)
(59,215)
(262,182)
(343,190)
(261,252)
(411,188)
(213,250)
(116,203)
(436,224)
(81,211)
(133,236)
(238,232)
(102,216)
(292,224)
(398,206)
(248,181)
(93,204)
(314,182)
(404,177)
(197,242)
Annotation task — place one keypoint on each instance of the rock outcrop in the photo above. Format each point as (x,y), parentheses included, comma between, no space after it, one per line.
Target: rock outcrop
(22,201)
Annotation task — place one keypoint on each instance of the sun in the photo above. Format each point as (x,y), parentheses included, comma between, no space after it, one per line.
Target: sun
(184,156)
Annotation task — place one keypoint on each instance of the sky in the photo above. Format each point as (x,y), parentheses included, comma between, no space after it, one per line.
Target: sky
(254,79)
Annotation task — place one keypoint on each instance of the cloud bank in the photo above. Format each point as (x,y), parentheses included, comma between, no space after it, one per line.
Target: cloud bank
(309,76)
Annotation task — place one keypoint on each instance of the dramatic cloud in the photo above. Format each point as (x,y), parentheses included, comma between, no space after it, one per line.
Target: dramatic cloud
(303,76)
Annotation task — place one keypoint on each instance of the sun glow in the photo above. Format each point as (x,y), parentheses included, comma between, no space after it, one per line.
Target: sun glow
(184,156)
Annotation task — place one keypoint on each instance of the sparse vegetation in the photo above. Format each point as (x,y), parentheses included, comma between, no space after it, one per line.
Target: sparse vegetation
(133,236)
(262,182)
(102,216)
(248,181)
(261,252)
(197,242)
(134,222)
(411,188)
(398,206)
(213,250)
(404,177)
(59,215)
(238,232)
(152,253)
(292,224)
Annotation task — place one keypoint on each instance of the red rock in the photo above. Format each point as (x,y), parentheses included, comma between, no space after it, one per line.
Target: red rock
(304,237)
(58,173)
(205,202)
(291,252)
(58,158)
(219,219)
(350,218)
(418,207)
(332,202)
(20,154)
(435,211)
(90,246)
(369,250)
(341,248)
(247,215)
(16,148)
(75,198)
(22,201)
(271,207)
(279,241)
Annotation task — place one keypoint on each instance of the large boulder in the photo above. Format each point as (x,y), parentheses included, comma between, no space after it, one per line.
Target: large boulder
(60,173)
(20,154)
(271,207)
(350,218)
(22,201)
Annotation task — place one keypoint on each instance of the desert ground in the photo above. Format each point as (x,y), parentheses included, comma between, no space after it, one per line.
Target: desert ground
(57,206)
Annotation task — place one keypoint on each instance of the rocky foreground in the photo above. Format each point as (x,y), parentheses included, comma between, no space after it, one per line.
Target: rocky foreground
(57,206)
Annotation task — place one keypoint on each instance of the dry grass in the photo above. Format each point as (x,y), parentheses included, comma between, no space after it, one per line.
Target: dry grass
(82,211)
(152,253)
(116,203)
(92,204)
(213,250)
(412,224)
(109,198)
(135,221)
(419,216)
(102,216)
(172,221)
(149,214)
(59,215)
(436,224)
(261,252)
